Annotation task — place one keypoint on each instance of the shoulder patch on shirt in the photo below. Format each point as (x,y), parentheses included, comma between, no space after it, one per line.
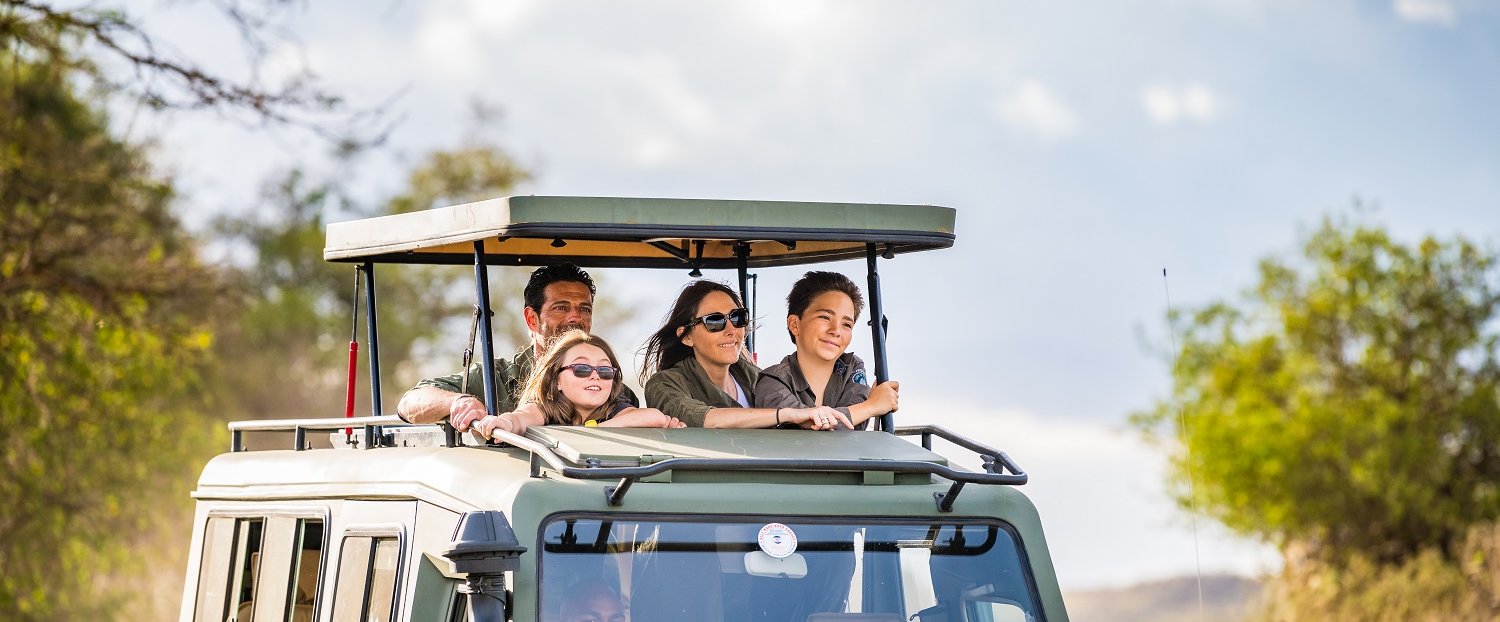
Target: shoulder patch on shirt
(859,377)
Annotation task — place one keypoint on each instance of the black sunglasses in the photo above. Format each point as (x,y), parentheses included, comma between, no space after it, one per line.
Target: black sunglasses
(583,370)
(715,322)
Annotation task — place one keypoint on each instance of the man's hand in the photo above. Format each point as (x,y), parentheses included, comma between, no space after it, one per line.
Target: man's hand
(464,411)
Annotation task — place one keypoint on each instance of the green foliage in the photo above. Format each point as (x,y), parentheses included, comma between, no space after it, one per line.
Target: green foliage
(1428,587)
(1348,405)
(102,342)
(289,344)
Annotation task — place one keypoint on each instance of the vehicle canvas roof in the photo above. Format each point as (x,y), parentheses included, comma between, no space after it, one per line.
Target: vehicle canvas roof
(640,232)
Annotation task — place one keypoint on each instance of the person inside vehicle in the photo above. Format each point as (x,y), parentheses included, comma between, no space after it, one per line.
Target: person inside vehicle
(576,382)
(558,299)
(821,311)
(699,373)
(593,601)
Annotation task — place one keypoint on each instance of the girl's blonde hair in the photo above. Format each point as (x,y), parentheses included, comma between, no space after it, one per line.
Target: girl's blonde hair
(541,386)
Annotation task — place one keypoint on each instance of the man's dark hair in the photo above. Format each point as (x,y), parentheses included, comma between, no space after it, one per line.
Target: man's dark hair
(536,288)
(812,285)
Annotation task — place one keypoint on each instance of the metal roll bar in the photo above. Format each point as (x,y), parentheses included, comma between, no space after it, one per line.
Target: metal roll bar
(996,465)
(299,427)
(998,468)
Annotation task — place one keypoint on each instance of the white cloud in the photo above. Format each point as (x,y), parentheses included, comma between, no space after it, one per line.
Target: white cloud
(1033,109)
(1441,12)
(449,46)
(790,17)
(651,151)
(495,17)
(451,34)
(1171,104)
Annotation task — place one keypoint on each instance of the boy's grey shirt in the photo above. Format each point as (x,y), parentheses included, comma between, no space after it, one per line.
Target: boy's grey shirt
(783,386)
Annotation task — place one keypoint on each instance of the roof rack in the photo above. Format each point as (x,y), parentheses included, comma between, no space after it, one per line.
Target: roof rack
(999,468)
(371,427)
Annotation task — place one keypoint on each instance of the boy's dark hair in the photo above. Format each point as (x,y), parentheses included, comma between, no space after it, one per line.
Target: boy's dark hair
(814,284)
(536,288)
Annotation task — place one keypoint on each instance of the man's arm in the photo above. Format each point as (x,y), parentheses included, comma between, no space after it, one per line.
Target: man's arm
(428,404)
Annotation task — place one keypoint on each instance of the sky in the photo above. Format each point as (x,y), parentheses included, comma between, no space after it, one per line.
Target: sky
(1087,147)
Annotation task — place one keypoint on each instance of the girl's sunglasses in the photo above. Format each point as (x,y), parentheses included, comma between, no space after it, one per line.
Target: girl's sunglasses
(584,370)
(715,322)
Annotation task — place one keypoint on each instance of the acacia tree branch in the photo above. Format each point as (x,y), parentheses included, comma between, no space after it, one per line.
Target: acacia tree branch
(164,82)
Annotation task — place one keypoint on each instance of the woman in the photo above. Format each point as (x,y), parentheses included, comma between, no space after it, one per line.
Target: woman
(821,311)
(576,382)
(701,375)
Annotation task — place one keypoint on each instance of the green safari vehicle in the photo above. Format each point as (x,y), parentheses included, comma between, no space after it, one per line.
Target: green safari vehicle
(572,524)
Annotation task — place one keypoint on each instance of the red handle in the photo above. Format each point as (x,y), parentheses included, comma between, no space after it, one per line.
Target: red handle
(349,397)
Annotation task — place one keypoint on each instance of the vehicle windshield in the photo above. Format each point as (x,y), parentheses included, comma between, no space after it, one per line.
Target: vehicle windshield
(657,570)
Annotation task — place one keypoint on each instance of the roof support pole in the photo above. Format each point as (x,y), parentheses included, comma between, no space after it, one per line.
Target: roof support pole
(374,345)
(877,329)
(486,340)
(742,253)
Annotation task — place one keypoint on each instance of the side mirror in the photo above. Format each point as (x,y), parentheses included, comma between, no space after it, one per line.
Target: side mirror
(484,547)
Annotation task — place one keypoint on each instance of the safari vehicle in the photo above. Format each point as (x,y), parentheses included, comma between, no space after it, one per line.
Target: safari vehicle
(417,522)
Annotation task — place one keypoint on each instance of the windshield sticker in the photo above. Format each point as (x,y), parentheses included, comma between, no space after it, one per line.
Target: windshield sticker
(777,540)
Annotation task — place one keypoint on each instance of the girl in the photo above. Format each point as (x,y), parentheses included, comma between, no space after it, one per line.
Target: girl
(576,382)
(701,375)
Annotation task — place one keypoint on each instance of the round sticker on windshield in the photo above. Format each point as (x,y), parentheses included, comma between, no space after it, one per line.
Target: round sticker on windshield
(777,540)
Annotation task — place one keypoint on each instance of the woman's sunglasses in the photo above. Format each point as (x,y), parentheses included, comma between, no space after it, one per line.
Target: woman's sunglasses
(584,370)
(715,322)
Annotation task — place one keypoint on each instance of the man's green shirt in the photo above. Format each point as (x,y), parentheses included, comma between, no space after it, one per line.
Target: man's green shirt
(510,379)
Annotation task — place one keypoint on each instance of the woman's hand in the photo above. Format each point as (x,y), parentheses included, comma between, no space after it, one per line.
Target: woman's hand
(816,418)
(642,418)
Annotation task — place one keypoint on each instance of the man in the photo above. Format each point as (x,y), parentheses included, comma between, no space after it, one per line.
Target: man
(558,299)
(593,602)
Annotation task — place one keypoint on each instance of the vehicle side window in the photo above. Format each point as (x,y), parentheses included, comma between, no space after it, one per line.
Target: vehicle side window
(245,568)
(213,571)
(368,573)
(302,600)
(460,610)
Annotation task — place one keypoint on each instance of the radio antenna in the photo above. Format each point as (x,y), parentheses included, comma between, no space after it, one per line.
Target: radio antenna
(1187,447)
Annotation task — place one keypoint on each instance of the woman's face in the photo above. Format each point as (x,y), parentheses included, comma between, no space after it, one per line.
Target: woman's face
(825,327)
(721,348)
(585,393)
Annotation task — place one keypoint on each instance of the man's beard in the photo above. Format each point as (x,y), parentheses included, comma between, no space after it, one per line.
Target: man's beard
(553,335)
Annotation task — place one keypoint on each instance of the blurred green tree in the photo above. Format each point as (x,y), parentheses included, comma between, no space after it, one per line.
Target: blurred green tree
(1349,404)
(298,310)
(107,315)
(104,332)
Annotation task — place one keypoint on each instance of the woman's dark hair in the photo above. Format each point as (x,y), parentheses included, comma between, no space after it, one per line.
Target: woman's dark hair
(541,387)
(812,285)
(664,348)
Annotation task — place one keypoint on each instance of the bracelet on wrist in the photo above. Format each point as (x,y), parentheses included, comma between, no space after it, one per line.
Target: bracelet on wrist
(778,417)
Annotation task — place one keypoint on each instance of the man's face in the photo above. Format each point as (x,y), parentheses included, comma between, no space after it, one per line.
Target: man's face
(594,607)
(565,305)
